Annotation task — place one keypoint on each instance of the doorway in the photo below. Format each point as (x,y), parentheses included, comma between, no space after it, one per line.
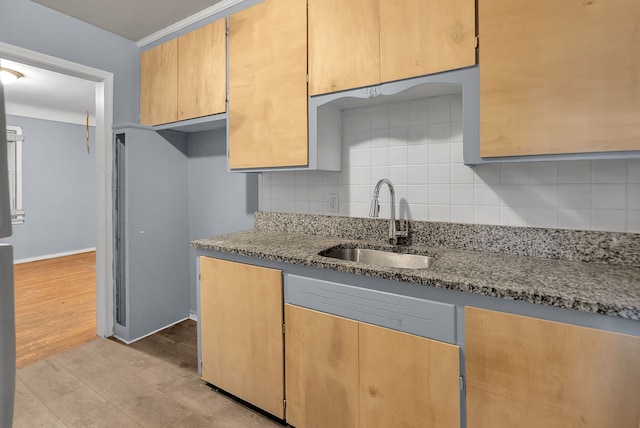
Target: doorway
(104,170)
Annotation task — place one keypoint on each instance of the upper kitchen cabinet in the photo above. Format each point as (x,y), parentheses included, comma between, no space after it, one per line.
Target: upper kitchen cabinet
(159,84)
(559,77)
(268,85)
(367,42)
(344,45)
(419,37)
(202,71)
(184,78)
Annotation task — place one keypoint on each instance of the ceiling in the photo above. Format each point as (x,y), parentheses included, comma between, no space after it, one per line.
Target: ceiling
(49,95)
(45,94)
(132,19)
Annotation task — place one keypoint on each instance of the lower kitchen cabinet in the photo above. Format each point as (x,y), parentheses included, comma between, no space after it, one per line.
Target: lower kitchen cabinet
(322,369)
(241,331)
(527,372)
(407,380)
(344,373)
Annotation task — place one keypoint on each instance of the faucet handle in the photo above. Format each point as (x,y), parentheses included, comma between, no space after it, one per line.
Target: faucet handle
(403,229)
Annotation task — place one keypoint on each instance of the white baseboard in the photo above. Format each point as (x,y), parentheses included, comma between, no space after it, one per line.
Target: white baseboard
(129,342)
(53,256)
(193,316)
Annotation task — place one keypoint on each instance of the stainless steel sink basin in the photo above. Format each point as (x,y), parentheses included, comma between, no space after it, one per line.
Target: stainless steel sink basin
(380,258)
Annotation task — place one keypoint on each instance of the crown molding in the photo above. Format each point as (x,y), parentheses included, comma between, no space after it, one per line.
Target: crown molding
(216,8)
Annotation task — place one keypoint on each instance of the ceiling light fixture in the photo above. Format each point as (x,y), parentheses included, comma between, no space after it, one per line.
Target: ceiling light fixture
(8,75)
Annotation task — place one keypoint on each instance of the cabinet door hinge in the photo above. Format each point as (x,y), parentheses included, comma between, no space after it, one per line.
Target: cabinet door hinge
(476,42)
(227,97)
(461,383)
(199,277)
(307,78)
(283,331)
(284,404)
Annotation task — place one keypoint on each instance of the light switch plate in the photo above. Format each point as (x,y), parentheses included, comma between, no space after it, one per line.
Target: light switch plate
(334,202)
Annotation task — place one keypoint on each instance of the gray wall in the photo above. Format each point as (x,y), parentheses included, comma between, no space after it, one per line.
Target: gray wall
(177,189)
(58,189)
(219,201)
(29,25)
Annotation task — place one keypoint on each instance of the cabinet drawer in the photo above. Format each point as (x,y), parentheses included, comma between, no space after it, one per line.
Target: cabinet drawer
(421,317)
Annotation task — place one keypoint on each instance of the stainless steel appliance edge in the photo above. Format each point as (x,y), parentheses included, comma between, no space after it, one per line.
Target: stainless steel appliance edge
(7,311)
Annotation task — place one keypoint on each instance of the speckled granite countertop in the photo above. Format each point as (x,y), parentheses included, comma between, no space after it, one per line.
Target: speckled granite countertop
(591,287)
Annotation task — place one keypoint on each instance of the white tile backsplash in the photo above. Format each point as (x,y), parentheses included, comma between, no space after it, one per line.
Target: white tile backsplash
(418,154)
(633,170)
(380,156)
(418,146)
(440,133)
(543,196)
(399,117)
(439,194)
(418,194)
(512,216)
(574,196)
(608,220)
(398,175)
(398,155)
(440,213)
(633,196)
(487,174)
(439,173)
(487,214)
(574,172)
(514,173)
(543,217)
(440,153)
(462,213)
(514,195)
(609,196)
(633,221)
(462,194)
(543,172)
(569,218)
(461,174)
(609,171)
(486,195)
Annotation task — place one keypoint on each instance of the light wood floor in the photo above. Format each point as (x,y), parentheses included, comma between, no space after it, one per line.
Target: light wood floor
(55,302)
(104,383)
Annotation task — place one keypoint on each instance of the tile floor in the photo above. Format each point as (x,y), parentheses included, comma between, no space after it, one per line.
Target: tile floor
(104,383)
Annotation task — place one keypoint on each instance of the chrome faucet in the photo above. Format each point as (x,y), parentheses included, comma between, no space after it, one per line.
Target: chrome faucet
(375,211)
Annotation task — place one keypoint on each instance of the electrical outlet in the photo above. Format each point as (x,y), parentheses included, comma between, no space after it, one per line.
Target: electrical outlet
(334,202)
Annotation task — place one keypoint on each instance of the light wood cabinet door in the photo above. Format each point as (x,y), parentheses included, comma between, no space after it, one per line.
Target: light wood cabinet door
(202,71)
(159,84)
(558,76)
(321,369)
(419,37)
(344,45)
(407,381)
(268,85)
(526,372)
(241,331)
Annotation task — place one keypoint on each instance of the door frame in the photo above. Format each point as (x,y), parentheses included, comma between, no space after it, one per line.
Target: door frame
(104,170)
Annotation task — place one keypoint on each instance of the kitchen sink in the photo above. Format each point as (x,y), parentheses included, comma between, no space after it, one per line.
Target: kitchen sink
(379,257)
